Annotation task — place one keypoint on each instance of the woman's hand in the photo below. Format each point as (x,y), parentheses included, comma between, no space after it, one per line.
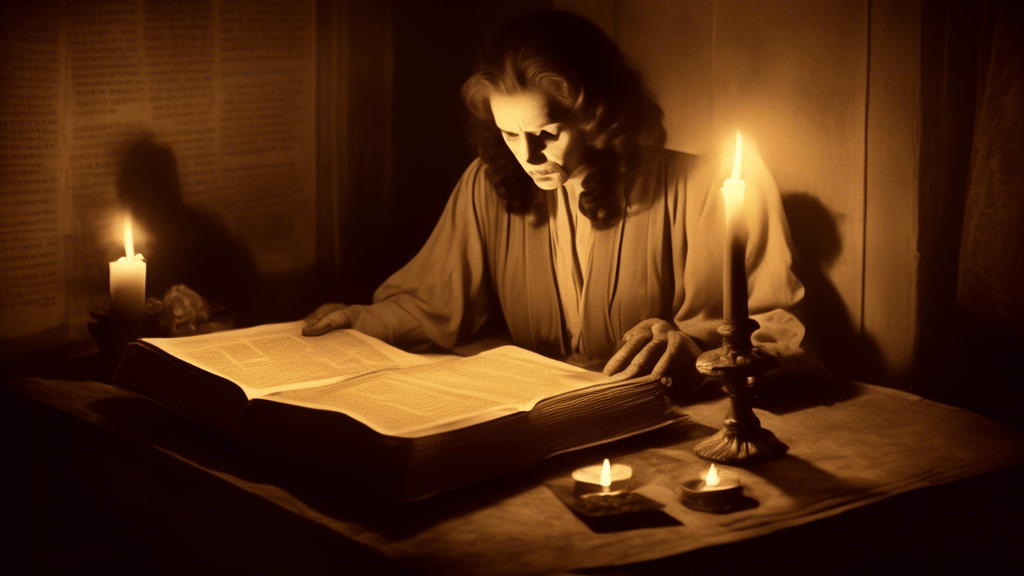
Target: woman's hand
(326,318)
(653,342)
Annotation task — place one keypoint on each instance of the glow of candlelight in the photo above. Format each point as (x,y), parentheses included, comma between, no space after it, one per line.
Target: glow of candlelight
(734,187)
(739,155)
(128,279)
(606,475)
(129,239)
(712,478)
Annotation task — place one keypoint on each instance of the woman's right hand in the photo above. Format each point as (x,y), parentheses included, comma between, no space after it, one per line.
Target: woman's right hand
(326,318)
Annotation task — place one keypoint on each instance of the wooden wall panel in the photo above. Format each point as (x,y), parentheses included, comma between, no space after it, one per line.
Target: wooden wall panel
(893,150)
(795,78)
(671,42)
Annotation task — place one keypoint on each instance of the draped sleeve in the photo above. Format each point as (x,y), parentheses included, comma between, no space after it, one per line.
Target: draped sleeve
(442,295)
(697,221)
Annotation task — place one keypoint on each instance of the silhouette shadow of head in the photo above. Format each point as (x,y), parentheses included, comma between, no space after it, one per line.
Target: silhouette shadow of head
(148,186)
(834,338)
(185,245)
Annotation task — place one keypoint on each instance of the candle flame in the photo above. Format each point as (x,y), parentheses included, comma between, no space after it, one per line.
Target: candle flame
(606,474)
(712,477)
(739,156)
(129,240)
(734,188)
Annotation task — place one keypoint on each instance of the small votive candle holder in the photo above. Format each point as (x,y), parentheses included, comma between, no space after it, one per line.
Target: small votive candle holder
(588,480)
(714,493)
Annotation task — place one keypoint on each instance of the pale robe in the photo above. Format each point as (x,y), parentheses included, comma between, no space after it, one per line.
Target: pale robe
(571,249)
(663,259)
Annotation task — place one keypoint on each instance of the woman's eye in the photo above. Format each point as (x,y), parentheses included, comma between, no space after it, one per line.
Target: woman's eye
(509,135)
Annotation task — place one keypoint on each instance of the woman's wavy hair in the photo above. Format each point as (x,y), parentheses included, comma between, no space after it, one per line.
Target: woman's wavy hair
(576,64)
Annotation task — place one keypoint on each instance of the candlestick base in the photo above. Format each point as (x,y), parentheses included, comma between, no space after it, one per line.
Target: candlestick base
(737,364)
(113,333)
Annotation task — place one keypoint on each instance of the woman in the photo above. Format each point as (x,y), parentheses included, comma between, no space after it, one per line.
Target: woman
(598,246)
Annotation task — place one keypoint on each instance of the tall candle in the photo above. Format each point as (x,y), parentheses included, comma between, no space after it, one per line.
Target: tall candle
(128,279)
(734,272)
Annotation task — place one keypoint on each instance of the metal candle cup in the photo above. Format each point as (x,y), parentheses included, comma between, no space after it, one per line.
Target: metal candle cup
(724,495)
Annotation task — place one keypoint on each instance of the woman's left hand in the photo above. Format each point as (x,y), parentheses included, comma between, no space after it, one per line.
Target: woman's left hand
(653,341)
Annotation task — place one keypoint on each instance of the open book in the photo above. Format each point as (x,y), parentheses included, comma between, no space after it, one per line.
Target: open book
(416,425)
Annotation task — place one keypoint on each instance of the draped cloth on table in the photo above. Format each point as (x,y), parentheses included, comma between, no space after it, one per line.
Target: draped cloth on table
(850,445)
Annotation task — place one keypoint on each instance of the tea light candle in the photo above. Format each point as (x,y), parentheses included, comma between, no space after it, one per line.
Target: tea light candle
(713,493)
(128,280)
(602,479)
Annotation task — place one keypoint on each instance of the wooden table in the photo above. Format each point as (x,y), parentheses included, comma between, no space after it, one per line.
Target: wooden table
(173,495)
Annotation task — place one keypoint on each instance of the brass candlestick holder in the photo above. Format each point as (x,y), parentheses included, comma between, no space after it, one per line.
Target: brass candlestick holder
(737,364)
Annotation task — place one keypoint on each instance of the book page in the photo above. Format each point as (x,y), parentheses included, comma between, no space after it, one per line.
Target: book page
(449,394)
(276,357)
(105,85)
(32,293)
(267,128)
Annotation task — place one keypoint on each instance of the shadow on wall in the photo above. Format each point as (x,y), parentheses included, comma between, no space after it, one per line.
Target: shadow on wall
(830,334)
(185,246)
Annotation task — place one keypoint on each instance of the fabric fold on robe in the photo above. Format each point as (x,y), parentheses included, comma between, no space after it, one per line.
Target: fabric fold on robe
(663,259)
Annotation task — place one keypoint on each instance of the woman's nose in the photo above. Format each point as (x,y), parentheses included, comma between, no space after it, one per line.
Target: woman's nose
(532,149)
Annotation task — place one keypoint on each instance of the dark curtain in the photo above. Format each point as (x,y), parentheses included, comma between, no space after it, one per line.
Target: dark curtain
(991,280)
(990,284)
(391,128)
(971,325)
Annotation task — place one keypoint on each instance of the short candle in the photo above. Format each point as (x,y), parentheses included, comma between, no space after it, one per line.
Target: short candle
(713,493)
(128,280)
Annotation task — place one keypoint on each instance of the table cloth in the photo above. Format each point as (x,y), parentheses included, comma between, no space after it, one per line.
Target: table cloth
(850,444)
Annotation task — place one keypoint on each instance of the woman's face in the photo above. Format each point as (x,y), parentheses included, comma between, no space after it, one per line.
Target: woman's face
(548,147)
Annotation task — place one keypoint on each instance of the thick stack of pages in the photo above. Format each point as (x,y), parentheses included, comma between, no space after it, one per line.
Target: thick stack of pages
(410,426)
